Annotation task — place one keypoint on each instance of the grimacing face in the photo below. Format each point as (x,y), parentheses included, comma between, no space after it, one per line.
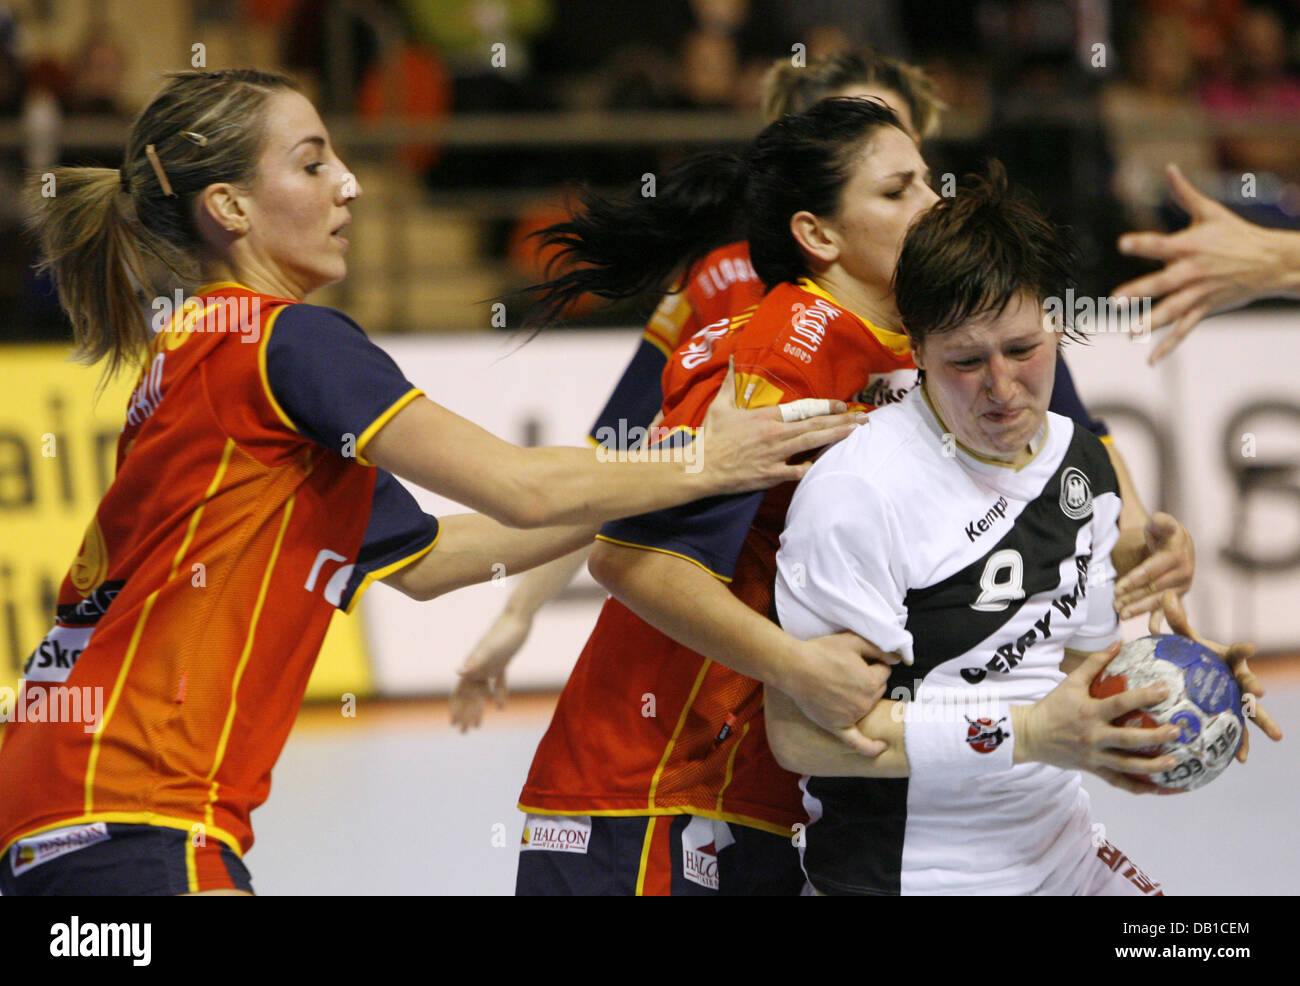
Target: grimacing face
(991,379)
(296,205)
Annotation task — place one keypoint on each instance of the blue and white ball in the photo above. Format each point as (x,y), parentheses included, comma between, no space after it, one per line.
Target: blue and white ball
(1204,701)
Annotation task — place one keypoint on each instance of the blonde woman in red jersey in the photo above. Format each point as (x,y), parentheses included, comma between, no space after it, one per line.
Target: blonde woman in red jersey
(259,449)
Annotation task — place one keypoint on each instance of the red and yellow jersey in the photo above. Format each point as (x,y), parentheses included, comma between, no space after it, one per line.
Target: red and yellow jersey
(645,725)
(241,514)
(722,283)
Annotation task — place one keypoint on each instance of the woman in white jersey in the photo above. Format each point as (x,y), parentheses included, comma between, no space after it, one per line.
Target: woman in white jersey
(969,531)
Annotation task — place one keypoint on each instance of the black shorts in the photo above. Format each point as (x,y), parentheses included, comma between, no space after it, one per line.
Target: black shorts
(107,859)
(655,855)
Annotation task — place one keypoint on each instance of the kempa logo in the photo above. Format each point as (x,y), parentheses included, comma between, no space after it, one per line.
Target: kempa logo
(102,940)
(976,528)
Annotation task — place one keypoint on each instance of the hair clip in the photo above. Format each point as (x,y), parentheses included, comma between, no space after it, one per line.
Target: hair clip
(194,138)
(152,154)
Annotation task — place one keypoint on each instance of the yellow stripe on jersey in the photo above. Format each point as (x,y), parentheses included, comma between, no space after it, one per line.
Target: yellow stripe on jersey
(677,730)
(209,288)
(243,658)
(191,866)
(664,551)
(896,342)
(731,765)
(198,513)
(93,761)
(364,438)
(387,570)
(645,856)
(267,326)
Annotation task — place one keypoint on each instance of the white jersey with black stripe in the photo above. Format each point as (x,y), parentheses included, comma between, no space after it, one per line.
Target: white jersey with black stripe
(981,576)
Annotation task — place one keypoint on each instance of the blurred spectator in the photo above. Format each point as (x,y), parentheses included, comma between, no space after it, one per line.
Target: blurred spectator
(96,72)
(88,86)
(409,84)
(11,72)
(486,46)
(331,45)
(710,70)
(1257,86)
(1047,130)
(1210,25)
(1152,117)
(829,26)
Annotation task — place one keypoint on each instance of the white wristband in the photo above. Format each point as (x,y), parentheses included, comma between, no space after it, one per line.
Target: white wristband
(805,407)
(946,741)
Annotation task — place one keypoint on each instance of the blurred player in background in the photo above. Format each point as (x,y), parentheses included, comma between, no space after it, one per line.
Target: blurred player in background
(722,283)
(978,791)
(247,504)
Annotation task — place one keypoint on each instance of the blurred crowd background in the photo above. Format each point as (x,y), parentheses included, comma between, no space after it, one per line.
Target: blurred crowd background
(470,122)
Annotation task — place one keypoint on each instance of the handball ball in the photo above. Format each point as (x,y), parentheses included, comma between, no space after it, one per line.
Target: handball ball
(1204,701)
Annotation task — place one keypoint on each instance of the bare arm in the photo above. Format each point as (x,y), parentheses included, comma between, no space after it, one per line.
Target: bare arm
(1067,728)
(828,676)
(1133,513)
(734,451)
(471,548)
(803,747)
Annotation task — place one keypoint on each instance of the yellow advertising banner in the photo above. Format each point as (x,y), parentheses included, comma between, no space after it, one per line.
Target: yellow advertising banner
(57,448)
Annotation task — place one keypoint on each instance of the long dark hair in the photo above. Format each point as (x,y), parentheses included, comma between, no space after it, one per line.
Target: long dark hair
(620,248)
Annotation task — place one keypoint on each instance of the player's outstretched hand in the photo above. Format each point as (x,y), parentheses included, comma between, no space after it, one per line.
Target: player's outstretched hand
(1219,262)
(840,679)
(483,675)
(1070,729)
(1169,564)
(1236,657)
(749,450)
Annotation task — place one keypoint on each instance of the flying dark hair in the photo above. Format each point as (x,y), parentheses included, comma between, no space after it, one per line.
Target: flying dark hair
(620,248)
(969,255)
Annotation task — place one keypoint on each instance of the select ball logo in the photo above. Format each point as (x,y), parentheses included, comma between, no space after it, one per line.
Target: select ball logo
(1203,702)
(984,735)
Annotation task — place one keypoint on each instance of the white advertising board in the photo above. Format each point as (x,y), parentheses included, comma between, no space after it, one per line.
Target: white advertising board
(1212,435)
